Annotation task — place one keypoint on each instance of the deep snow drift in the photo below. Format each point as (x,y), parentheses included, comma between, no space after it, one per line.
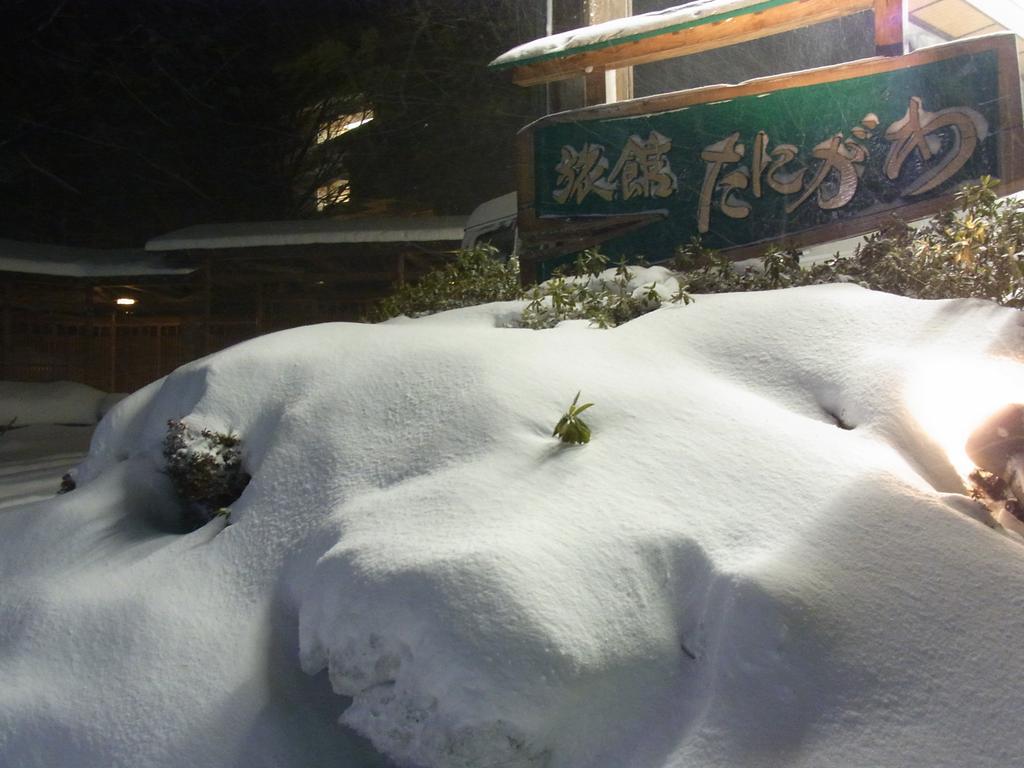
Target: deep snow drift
(33,459)
(763,558)
(49,430)
(59,402)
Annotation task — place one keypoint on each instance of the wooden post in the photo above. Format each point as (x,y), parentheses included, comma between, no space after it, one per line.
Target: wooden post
(596,86)
(159,351)
(260,307)
(89,372)
(890,23)
(572,14)
(113,351)
(8,335)
(207,299)
(594,91)
(618,83)
(400,268)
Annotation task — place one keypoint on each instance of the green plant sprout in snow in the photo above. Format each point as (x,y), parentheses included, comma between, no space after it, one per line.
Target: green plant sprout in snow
(571,428)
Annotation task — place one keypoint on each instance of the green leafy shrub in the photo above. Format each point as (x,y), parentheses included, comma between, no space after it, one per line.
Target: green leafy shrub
(605,297)
(706,271)
(592,291)
(975,252)
(477,276)
(571,428)
(205,468)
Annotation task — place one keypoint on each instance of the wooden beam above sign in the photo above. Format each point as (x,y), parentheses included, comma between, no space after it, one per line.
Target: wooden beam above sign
(592,51)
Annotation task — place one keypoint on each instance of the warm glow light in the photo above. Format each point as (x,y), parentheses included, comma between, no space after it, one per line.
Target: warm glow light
(951,397)
(124,301)
(343,124)
(336,192)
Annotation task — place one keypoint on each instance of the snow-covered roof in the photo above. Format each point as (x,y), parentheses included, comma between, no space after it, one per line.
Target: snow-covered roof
(631,28)
(65,261)
(270,233)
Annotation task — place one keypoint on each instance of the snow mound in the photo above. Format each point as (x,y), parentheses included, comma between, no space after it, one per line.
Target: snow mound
(763,557)
(57,402)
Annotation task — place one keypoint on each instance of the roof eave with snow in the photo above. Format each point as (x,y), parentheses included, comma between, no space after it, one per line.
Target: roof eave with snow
(66,261)
(291,233)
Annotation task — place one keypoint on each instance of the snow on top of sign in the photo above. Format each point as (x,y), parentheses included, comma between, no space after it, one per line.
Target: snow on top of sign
(65,261)
(271,233)
(621,30)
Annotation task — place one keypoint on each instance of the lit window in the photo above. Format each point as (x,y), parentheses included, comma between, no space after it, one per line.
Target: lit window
(333,193)
(343,124)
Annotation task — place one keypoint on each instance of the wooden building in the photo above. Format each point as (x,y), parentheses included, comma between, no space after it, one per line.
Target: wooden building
(61,319)
(119,319)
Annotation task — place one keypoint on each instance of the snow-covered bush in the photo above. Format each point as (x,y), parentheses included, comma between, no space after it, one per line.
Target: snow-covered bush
(206,469)
(976,252)
(477,276)
(703,270)
(607,297)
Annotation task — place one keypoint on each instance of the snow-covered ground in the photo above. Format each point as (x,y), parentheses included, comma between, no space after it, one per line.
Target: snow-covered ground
(33,460)
(763,558)
(51,427)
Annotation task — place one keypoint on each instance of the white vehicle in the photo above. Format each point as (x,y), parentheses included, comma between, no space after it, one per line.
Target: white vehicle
(494,223)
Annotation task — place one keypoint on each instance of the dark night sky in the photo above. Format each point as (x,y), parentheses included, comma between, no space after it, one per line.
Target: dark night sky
(124,119)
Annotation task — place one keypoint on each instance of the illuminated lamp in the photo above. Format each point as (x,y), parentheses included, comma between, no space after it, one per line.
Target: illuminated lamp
(997,448)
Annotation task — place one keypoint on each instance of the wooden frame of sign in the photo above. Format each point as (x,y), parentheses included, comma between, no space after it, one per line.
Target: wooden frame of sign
(557,230)
(762,20)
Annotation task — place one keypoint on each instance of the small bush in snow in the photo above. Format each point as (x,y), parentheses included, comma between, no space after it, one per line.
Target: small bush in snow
(705,271)
(477,276)
(605,297)
(571,428)
(976,252)
(205,468)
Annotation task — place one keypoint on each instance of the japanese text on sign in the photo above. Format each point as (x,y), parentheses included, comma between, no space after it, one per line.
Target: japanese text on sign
(944,141)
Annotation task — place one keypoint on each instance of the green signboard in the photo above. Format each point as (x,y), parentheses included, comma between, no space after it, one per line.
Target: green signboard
(739,166)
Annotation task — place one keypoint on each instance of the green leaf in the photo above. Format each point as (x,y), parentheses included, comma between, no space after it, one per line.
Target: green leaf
(570,428)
